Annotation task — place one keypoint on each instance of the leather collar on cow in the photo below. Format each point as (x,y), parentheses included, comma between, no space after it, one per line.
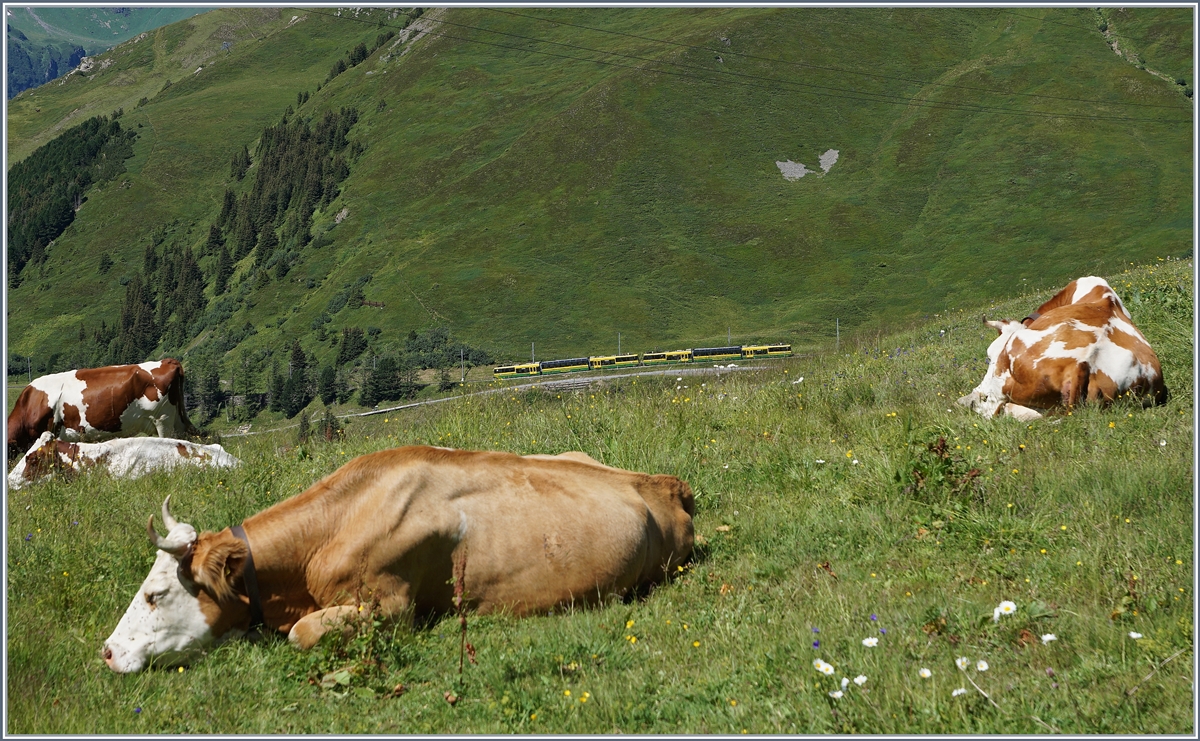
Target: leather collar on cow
(1030,319)
(250,578)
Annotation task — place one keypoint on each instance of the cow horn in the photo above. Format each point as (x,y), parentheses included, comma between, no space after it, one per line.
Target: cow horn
(164,544)
(168,520)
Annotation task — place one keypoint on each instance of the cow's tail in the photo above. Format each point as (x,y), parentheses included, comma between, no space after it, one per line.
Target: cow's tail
(1076,386)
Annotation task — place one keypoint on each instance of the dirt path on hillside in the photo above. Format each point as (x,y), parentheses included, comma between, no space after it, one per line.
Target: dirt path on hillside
(1129,56)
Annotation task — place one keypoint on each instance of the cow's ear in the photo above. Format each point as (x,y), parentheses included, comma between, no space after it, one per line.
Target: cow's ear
(219,567)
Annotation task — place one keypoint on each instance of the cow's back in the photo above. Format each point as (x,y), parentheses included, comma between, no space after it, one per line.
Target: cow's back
(136,456)
(533,533)
(1084,351)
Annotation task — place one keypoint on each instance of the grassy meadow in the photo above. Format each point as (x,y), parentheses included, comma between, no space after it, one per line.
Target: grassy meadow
(858,503)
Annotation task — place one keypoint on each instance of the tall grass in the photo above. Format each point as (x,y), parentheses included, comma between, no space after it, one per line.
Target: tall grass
(814,535)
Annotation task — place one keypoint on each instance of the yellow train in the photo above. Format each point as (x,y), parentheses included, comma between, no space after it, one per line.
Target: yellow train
(600,362)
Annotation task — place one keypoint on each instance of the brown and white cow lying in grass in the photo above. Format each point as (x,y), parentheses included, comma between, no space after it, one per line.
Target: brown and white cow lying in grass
(528,533)
(1079,346)
(93,404)
(127,457)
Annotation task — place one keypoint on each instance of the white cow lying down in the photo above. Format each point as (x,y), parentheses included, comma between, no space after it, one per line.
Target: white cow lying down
(126,457)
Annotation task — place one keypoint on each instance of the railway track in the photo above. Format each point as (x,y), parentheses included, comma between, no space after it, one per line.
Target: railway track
(566,384)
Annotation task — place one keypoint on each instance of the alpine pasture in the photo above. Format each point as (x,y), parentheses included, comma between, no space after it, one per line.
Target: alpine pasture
(583,178)
(860,503)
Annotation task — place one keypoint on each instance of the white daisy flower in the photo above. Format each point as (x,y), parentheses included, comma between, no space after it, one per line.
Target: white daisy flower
(819,460)
(860,680)
(845,683)
(959,691)
(1007,607)
(836,694)
(1134,636)
(1049,637)
(925,673)
(870,642)
(981,666)
(963,662)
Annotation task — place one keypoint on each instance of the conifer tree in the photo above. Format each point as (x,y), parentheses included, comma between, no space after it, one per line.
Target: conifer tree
(224,271)
(215,241)
(327,386)
(189,295)
(275,388)
(138,333)
(228,209)
(266,247)
(244,233)
(240,163)
(295,388)
(354,342)
(149,261)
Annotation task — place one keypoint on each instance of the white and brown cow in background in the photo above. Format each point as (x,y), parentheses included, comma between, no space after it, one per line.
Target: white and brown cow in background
(94,404)
(1079,346)
(127,457)
(521,534)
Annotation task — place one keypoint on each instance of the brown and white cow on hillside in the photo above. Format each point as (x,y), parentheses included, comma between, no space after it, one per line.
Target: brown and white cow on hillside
(94,404)
(525,533)
(1079,346)
(127,457)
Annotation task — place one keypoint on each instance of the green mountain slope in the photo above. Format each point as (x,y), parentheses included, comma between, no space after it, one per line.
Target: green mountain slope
(558,176)
(44,43)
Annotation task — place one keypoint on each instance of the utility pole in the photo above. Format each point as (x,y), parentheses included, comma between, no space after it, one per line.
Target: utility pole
(463,359)
(837,328)
(728,336)
(618,343)
(532,357)
(29,369)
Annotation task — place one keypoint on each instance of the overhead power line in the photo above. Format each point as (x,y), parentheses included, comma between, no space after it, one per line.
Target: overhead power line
(722,76)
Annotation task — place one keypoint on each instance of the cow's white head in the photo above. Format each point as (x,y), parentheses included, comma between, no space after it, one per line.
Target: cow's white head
(185,605)
(988,397)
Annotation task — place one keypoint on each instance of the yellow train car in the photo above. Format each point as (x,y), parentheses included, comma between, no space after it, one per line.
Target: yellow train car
(761,351)
(517,371)
(671,356)
(598,362)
